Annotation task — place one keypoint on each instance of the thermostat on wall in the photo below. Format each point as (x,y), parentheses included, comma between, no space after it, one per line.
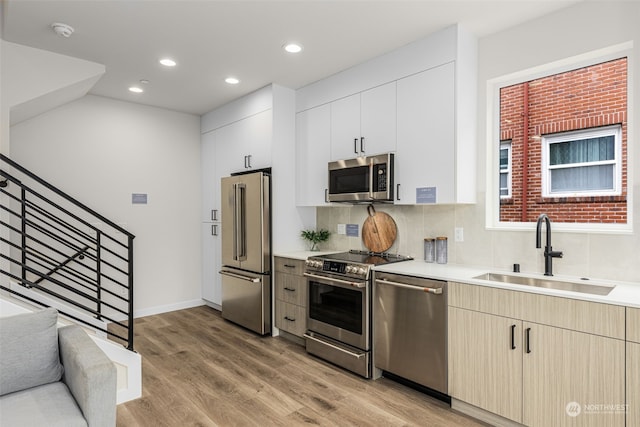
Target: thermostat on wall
(139,198)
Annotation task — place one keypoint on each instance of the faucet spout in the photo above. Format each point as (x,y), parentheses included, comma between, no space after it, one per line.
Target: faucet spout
(549,253)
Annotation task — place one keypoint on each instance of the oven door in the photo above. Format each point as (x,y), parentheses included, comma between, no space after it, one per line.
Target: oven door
(339,308)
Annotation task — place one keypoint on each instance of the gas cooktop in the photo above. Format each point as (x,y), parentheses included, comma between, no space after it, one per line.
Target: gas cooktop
(364,257)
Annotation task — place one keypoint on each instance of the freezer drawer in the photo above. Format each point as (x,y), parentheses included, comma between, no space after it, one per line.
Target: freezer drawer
(410,329)
(246,299)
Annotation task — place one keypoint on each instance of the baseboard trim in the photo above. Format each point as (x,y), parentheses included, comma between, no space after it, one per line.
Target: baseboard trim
(482,415)
(167,308)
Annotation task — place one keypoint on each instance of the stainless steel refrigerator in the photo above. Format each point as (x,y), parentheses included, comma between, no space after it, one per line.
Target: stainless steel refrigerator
(246,251)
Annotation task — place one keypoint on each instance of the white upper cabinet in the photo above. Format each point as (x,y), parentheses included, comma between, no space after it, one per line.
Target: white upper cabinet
(246,144)
(378,119)
(313,144)
(419,102)
(364,124)
(425,159)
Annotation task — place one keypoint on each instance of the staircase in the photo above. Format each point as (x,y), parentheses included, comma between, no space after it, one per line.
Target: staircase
(55,251)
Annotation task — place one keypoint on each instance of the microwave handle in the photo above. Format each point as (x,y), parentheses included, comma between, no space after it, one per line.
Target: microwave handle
(371,179)
(397,191)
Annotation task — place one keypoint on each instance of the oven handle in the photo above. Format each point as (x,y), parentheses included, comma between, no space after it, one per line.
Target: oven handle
(356,355)
(436,291)
(343,282)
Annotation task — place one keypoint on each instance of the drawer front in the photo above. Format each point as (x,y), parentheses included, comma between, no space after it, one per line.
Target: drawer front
(289,265)
(291,289)
(633,324)
(291,318)
(584,316)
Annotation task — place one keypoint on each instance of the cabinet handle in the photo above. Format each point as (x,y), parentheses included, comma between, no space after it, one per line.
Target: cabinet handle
(214,214)
(513,337)
(214,229)
(290,319)
(397,191)
(289,289)
(527,340)
(362,144)
(289,266)
(326,195)
(249,161)
(355,145)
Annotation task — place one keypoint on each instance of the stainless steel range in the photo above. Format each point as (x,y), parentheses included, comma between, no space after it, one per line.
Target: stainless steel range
(339,307)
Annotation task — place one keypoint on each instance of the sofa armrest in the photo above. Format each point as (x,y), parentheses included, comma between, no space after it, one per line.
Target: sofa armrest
(90,376)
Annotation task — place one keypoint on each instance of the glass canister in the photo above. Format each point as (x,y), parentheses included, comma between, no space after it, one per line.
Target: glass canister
(429,250)
(441,250)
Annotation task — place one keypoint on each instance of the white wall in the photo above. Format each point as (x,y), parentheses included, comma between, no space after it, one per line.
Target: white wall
(581,28)
(100,151)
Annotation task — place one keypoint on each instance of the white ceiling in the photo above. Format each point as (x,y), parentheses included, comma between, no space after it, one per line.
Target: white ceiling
(212,39)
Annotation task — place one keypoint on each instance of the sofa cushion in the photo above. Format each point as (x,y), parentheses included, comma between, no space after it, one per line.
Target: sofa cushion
(29,356)
(50,405)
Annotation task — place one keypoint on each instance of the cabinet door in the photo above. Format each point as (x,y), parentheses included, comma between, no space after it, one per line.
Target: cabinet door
(247,137)
(425,157)
(484,368)
(313,148)
(378,120)
(345,128)
(210,187)
(258,134)
(570,376)
(291,318)
(211,263)
(633,384)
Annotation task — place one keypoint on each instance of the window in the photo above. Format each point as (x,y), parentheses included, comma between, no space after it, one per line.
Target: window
(505,169)
(582,163)
(558,144)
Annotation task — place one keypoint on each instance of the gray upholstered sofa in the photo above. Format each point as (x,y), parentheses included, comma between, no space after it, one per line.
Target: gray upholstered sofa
(53,377)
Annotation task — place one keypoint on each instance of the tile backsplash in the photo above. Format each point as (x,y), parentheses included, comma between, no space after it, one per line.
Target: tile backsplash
(597,255)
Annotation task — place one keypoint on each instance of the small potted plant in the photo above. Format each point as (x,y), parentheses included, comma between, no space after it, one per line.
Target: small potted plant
(315,237)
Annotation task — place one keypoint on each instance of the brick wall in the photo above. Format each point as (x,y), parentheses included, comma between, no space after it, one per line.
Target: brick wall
(584,98)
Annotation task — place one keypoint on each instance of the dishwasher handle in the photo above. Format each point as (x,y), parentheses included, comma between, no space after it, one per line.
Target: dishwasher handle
(436,291)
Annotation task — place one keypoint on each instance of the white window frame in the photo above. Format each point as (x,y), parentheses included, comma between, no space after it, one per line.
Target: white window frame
(492,105)
(505,145)
(548,140)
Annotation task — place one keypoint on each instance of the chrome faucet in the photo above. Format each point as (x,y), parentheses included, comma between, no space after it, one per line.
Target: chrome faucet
(549,253)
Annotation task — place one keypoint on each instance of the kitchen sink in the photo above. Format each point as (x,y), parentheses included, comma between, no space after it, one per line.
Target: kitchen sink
(586,288)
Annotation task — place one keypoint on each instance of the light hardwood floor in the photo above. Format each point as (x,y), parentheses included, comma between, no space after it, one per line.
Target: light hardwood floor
(200,370)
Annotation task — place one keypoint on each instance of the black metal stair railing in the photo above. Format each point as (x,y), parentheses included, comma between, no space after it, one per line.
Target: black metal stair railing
(57,249)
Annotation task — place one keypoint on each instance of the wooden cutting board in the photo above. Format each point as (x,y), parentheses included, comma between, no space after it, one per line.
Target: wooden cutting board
(379,231)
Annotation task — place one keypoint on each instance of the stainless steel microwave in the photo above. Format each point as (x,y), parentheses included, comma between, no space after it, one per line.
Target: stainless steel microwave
(363,179)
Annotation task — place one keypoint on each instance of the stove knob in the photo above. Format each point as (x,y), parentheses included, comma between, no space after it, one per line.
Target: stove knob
(350,269)
(317,264)
(361,271)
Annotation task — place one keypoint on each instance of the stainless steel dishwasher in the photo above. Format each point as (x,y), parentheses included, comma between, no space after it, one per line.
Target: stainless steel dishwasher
(410,329)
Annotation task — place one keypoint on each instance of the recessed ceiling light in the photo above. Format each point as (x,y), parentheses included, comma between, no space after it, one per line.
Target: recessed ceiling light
(168,62)
(292,47)
(232,80)
(136,89)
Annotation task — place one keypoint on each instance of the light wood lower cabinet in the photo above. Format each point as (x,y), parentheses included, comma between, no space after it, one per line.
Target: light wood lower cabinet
(291,295)
(524,368)
(484,369)
(572,378)
(633,384)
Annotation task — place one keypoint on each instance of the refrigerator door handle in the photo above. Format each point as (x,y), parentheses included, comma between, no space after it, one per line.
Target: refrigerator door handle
(239,223)
(240,276)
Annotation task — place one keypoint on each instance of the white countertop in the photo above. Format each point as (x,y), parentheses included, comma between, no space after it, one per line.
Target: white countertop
(624,293)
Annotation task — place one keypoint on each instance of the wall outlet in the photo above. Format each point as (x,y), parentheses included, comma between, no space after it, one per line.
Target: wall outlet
(342,228)
(459,234)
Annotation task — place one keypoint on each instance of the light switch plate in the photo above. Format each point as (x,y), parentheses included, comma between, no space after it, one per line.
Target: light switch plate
(459,234)
(342,228)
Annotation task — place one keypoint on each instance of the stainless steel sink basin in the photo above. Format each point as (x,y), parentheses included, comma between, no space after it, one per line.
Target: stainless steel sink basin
(586,287)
